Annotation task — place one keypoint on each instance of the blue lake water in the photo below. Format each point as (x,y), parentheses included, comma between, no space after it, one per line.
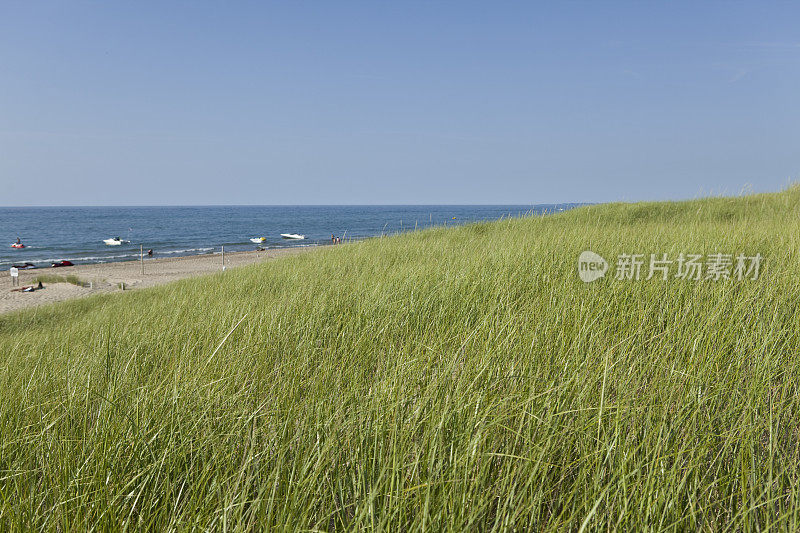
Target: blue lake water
(76,233)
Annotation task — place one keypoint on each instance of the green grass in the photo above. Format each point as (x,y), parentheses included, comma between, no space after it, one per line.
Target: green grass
(54,278)
(460,378)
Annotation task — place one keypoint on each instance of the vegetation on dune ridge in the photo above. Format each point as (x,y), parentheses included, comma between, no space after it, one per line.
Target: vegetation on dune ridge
(447,379)
(54,278)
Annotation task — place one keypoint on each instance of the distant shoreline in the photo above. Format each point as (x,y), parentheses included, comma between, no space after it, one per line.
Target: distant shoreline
(77,234)
(97,278)
(133,255)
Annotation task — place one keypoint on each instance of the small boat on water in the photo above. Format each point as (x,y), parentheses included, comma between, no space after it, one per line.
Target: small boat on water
(292,236)
(62,264)
(258,240)
(116,241)
(18,245)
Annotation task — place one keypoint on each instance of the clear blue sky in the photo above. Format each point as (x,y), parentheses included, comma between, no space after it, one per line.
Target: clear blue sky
(105,103)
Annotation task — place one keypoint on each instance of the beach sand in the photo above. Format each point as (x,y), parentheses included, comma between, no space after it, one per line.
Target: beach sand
(107,277)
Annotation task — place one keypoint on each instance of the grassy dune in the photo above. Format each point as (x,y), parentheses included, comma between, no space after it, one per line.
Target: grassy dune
(459,378)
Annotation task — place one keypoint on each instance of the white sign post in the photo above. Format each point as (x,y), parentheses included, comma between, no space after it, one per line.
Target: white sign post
(14,272)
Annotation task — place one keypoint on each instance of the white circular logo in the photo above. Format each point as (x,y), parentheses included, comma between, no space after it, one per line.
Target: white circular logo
(591,266)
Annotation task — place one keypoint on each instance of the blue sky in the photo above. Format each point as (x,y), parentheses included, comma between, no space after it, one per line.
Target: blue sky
(147,103)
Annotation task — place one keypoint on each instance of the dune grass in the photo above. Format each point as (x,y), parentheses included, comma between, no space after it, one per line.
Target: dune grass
(55,278)
(448,379)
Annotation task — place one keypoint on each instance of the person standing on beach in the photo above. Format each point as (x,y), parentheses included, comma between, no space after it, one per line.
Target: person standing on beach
(333,239)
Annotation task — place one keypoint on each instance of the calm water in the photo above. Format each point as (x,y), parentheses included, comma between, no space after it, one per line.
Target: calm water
(76,233)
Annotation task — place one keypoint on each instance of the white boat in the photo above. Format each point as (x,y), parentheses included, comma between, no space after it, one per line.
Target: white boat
(292,236)
(258,240)
(115,241)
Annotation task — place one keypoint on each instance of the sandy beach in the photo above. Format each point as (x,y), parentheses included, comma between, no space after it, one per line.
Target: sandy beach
(108,277)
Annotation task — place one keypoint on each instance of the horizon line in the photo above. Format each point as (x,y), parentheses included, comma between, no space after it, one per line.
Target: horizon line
(299,205)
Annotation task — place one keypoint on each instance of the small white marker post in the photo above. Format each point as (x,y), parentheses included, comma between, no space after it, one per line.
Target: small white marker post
(223,258)
(14,273)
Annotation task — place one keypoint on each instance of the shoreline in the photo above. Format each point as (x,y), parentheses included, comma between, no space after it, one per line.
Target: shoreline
(108,277)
